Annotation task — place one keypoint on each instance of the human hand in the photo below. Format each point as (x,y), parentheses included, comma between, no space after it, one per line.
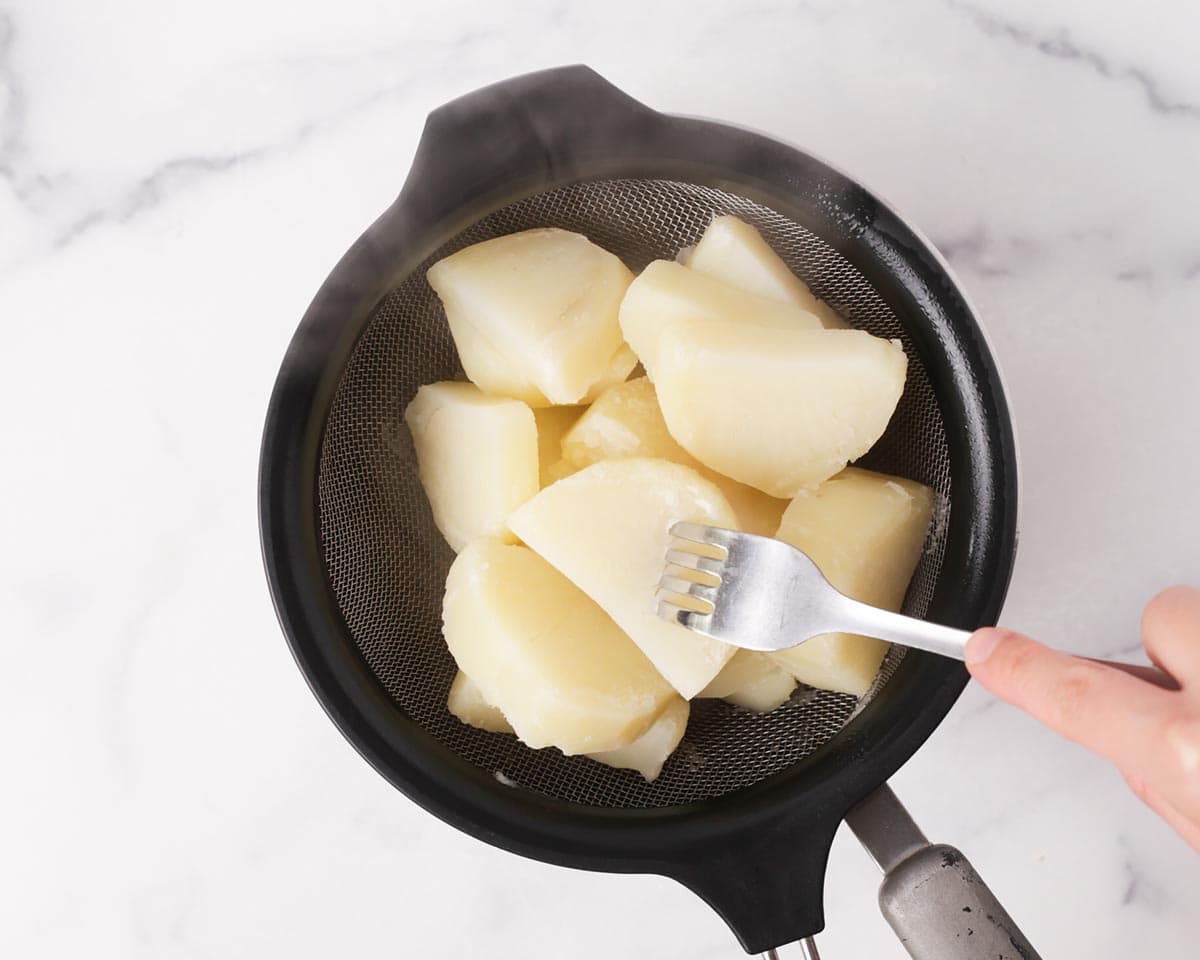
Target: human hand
(1146,721)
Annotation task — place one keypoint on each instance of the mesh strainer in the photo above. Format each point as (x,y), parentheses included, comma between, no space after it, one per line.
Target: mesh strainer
(744,812)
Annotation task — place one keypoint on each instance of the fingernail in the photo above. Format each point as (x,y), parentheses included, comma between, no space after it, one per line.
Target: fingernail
(981,644)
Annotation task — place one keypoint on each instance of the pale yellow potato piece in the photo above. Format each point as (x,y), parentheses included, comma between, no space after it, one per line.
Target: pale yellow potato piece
(552,425)
(554,664)
(780,410)
(646,754)
(733,251)
(865,531)
(625,421)
(466,702)
(667,292)
(557,470)
(490,371)
(757,512)
(620,366)
(606,528)
(752,680)
(534,314)
(477,457)
(649,752)
(498,378)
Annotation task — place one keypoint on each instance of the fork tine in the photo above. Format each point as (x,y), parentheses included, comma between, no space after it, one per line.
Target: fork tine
(688,588)
(693,574)
(693,561)
(684,616)
(702,533)
(690,531)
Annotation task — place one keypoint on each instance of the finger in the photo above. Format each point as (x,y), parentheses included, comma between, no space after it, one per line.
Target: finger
(1185,826)
(1171,633)
(1106,710)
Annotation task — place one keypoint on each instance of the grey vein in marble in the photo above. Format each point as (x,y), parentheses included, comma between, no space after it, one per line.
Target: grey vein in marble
(1139,887)
(974,251)
(1031,797)
(980,251)
(26,187)
(150,190)
(1060,46)
(967,713)
(12,119)
(1142,276)
(1126,650)
(1156,279)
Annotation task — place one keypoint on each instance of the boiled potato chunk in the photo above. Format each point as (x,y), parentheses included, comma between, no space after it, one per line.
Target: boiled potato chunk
(534,314)
(757,512)
(467,703)
(557,470)
(649,752)
(865,531)
(780,410)
(497,377)
(552,425)
(620,366)
(625,421)
(606,528)
(646,754)
(667,292)
(554,664)
(477,457)
(752,680)
(733,251)
(491,372)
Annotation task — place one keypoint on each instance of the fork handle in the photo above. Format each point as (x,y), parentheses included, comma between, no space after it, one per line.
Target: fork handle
(897,628)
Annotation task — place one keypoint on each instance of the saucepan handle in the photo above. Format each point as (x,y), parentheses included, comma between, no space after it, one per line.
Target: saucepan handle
(933,898)
(519,135)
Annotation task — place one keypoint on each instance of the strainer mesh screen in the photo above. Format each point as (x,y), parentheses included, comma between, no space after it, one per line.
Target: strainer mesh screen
(387,562)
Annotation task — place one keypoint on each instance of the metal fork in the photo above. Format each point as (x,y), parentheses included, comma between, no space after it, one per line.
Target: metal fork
(763,594)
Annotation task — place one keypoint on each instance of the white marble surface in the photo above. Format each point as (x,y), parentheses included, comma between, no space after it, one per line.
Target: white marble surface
(175,181)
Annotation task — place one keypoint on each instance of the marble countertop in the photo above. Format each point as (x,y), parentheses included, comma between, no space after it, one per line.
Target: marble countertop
(177,179)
